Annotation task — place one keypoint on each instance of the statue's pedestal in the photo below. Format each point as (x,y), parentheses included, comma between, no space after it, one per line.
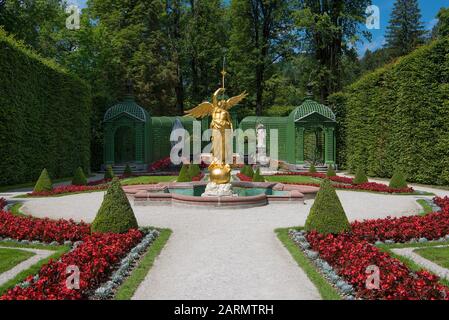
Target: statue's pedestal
(218,190)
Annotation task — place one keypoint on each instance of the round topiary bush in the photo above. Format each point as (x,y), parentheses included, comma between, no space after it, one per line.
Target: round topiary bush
(327,214)
(184,175)
(115,214)
(44,183)
(128,171)
(79,178)
(194,170)
(331,172)
(109,173)
(398,181)
(360,177)
(312,169)
(258,177)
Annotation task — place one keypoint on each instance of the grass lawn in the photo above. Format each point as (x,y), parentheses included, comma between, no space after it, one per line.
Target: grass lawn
(408,262)
(9,258)
(438,255)
(148,180)
(426,207)
(325,289)
(129,287)
(34,269)
(292,179)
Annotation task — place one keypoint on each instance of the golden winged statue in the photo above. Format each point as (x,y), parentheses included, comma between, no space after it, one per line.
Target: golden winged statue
(221,121)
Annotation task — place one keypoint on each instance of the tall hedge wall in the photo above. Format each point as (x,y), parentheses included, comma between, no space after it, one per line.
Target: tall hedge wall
(44,116)
(398,116)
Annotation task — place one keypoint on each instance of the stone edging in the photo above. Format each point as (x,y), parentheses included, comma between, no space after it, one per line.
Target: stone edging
(324,268)
(127,264)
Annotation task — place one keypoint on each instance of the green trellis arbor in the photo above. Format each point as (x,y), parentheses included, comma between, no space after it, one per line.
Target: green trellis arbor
(318,120)
(293,131)
(127,128)
(133,136)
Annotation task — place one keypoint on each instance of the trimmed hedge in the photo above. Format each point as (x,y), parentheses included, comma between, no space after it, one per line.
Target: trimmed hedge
(184,175)
(360,177)
(44,116)
(397,116)
(108,173)
(327,215)
(79,178)
(115,214)
(398,181)
(44,183)
(258,177)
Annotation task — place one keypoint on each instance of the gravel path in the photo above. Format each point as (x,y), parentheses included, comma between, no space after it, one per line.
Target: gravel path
(11,273)
(225,254)
(423,262)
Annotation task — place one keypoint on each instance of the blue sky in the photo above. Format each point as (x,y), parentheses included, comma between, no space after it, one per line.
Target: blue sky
(429,9)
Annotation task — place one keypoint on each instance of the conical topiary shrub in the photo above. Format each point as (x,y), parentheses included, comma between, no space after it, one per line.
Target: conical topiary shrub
(327,214)
(258,177)
(109,173)
(398,181)
(312,168)
(44,183)
(115,214)
(184,174)
(79,179)
(194,170)
(360,177)
(331,172)
(128,171)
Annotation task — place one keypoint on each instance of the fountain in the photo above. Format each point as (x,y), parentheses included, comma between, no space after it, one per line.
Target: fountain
(219,191)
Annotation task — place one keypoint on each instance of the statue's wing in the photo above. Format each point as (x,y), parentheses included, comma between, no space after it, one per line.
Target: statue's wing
(235,100)
(203,110)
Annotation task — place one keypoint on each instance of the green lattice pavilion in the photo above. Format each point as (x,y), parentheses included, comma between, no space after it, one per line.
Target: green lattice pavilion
(132,135)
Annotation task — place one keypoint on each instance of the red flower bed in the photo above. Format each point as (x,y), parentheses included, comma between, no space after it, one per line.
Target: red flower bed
(95,258)
(44,230)
(199,177)
(350,257)
(3,203)
(68,189)
(432,226)
(160,165)
(244,178)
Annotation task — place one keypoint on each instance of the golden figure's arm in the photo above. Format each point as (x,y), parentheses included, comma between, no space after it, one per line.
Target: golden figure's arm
(235,100)
(203,110)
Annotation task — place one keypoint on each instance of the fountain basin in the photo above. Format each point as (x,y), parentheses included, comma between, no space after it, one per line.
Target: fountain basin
(247,194)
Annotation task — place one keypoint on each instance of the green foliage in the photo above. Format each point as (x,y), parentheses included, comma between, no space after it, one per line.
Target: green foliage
(327,215)
(405,31)
(44,182)
(79,179)
(312,169)
(184,175)
(398,181)
(247,170)
(258,177)
(360,176)
(194,170)
(397,116)
(331,171)
(109,173)
(128,171)
(45,116)
(442,27)
(115,214)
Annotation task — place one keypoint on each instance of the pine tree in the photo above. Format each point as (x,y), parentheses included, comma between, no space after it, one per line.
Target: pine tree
(405,31)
